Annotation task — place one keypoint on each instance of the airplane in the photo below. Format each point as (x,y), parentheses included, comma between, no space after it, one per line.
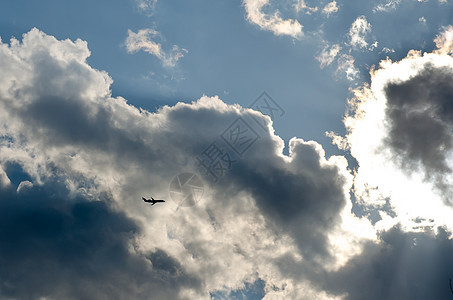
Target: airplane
(152,200)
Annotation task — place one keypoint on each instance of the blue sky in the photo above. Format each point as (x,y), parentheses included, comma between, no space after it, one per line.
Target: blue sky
(229,57)
(344,193)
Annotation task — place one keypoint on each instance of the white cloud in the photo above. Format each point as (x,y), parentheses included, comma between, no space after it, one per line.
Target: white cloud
(24,185)
(346,65)
(386,7)
(387,50)
(330,8)
(391,5)
(401,127)
(300,5)
(143,41)
(146,6)
(444,41)
(358,32)
(328,55)
(4,180)
(422,20)
(271,22)
(63,125)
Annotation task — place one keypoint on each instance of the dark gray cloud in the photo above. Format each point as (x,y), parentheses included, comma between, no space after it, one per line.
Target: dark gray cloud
(400,265)
(420,114)
(303,197)
(403,265)
(76,249)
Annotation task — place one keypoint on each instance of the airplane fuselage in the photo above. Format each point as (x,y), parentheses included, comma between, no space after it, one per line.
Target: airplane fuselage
(152,200)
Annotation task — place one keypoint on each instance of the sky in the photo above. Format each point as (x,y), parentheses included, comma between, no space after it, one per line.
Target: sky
(304,149)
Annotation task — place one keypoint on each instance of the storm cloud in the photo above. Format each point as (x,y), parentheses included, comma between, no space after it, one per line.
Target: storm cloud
(61,124)
(73,248)
(420,112)
(403,265)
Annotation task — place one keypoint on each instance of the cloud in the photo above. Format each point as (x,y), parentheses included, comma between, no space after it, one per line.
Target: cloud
(143,41)
(402,266)
(358,32)
(60,124)
(401,125)
(147,6)
(84,248)
(346,65)
(24,185)
(4,180)
(271,22)
(388,6)
(387,50)
(422,20)
(300,5)
(86,158)
(330,8)
(444,41)
(328,55)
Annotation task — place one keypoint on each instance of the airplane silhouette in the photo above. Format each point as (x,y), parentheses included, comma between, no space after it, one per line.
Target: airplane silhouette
(152,200)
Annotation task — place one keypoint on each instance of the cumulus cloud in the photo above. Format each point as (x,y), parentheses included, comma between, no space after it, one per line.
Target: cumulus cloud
(358,32)
(143,41)
(401,125)
(62,127)
(271,21)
